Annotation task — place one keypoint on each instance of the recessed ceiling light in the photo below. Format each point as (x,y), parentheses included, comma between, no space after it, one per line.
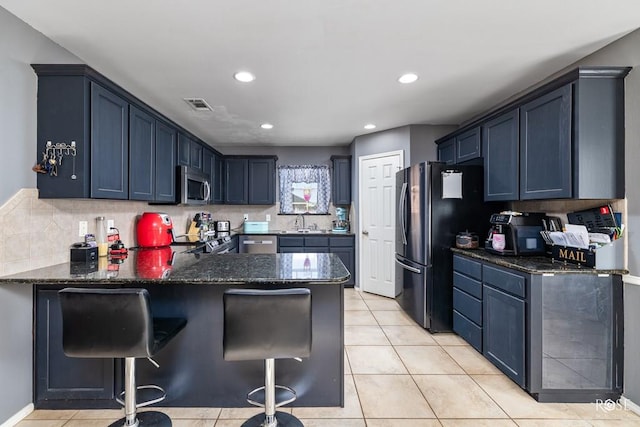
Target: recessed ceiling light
(408,78)
(369,126)
(266,126)
(244,76)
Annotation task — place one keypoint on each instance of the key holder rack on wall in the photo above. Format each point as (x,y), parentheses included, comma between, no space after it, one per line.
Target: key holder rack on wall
(52,157)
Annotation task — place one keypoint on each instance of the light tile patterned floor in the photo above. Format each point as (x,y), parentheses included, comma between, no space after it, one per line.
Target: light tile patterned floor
(397,375)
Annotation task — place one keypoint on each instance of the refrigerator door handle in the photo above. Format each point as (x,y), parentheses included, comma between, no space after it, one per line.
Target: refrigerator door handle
(402,210)
(408,267)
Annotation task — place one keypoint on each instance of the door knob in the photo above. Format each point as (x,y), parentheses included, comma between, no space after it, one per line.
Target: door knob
(365,232)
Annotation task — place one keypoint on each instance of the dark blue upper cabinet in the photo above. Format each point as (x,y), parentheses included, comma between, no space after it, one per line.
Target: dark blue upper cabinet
(447,152)
(467,145)
(64,122)
(262,181)
(190,152)
(195,158)
(545,146)
(109,144)
(237,184)
(570,141)
(142,142)
(218,180)
(500,142)
(184,150)
(598,137)
(165,163)
(152,156)
(341,180)
(250,180)
(124,149)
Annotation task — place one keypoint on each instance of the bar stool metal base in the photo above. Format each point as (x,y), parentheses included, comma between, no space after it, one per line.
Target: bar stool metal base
(146,418)
(282,419)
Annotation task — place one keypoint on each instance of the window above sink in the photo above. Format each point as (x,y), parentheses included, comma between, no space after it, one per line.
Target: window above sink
(304,189)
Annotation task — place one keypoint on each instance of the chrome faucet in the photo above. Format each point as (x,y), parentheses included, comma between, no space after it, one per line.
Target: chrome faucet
(297,224)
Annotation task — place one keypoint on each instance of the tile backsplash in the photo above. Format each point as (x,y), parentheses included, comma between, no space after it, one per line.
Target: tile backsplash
(36,233)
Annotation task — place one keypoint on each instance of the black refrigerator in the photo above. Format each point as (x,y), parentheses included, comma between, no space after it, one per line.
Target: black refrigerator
(435,202)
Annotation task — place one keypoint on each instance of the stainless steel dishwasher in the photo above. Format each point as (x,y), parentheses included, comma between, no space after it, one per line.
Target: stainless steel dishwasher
(258,244)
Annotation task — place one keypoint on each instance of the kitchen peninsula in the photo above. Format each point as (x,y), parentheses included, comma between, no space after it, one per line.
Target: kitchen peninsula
(192,369)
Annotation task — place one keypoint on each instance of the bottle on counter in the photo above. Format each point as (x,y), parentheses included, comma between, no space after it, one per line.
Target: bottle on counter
(101,236)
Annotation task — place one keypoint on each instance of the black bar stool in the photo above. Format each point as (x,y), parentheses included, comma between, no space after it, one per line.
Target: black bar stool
(268,324)
(118,323)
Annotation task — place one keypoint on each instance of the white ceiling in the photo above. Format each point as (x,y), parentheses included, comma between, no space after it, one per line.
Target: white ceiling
(325,68)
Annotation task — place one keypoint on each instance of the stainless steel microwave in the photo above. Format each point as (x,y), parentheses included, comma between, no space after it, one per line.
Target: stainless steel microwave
(194,187)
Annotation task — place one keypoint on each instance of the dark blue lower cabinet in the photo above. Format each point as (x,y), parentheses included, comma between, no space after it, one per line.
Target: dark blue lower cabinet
(504,333)
(468,330)
(60,378)
(342,246)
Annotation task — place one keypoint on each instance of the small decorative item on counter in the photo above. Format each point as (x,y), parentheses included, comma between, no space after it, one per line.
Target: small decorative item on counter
(467,240)
(83,253)
(90,239)
(83,259)
(118,252)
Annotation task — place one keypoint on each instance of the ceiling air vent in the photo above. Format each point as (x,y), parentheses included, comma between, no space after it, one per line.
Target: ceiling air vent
(198,104)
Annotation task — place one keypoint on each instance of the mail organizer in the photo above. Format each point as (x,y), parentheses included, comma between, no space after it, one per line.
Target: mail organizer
(607,257)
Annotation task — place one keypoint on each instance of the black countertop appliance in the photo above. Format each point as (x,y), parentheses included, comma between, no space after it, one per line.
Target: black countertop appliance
(516,234)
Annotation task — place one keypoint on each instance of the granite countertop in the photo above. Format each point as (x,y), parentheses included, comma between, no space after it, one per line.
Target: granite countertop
(173,265)
(532,264)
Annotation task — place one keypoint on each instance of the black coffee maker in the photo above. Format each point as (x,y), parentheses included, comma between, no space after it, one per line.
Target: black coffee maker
(515,234)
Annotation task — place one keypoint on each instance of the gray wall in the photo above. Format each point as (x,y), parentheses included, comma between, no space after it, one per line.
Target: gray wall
(417,142)
(20,46)
(374,143)
(16,369)
(423,148)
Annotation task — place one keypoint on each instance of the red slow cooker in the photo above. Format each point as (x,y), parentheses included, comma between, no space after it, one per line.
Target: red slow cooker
(154,230)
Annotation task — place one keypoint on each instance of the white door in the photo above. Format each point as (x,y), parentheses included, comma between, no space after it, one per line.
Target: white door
(377,225)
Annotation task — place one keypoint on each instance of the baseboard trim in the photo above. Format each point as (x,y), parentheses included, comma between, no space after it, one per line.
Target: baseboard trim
(19,416)
(628,404)
(628,279)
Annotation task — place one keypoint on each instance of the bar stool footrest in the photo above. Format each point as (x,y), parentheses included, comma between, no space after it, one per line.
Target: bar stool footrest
(147,418)
(254,402)
(284,420)
(163,395)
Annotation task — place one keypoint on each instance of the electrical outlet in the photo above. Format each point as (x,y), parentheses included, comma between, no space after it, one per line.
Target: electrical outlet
(268,218)
(246,217)
(82,228)
(110,224)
